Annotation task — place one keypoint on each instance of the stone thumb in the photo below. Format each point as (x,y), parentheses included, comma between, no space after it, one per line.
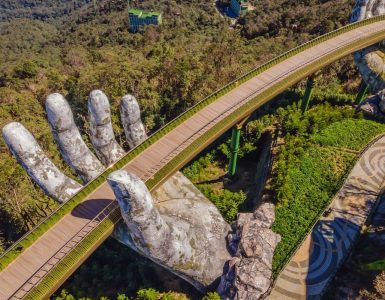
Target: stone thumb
(146,226)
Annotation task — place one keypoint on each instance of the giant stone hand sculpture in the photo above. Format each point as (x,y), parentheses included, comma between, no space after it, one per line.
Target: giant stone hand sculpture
(178,228)
(371,61)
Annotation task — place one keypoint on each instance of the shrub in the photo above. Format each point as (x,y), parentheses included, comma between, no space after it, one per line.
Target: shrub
(226,201)
(28,69)
(211,296)
(148,294)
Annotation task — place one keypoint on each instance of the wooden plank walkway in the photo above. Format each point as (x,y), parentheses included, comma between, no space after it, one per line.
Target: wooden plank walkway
(27,270)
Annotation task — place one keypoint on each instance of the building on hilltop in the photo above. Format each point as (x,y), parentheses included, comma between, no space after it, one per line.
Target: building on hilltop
(239,7)
(138,18)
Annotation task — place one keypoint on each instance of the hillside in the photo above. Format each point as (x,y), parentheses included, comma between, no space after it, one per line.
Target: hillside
(38,9)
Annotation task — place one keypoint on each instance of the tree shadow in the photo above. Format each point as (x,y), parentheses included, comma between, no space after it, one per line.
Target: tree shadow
(211,181)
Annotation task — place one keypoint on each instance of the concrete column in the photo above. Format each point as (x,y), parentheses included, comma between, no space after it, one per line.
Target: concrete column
(235,139)
(362,92)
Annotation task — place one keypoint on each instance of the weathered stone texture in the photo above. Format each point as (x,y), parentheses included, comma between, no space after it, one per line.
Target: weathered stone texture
(132,124)
(72,147)
(29,154)
(179,229)
(248,274)
(101,134)
(370,61)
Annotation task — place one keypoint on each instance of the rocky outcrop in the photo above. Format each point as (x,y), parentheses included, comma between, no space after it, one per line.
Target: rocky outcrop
(371,61)
(375,106)
(248,274)
(177,228)
(28,153)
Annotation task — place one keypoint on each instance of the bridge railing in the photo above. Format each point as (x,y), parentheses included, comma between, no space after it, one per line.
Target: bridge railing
(49,282)
(111,211)
(30,237)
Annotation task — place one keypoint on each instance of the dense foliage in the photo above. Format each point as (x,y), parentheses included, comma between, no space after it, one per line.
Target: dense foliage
(38,9)
(114,269)
(298,19)
(142,294)
(210,168)
(353,134)
(320,148)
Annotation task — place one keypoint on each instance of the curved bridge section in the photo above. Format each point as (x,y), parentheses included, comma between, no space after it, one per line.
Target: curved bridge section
(42,260)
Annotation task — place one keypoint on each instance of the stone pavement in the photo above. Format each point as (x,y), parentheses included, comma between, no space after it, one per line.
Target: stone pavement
(317,260)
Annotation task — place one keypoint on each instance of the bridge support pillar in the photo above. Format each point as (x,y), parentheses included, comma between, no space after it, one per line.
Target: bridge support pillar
(308,93)
(235,139)
(234,148)
(362,92)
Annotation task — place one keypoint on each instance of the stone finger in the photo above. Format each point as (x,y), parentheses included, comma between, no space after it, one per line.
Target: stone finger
(72,147)
(132,123)
(28,153)
(102,136)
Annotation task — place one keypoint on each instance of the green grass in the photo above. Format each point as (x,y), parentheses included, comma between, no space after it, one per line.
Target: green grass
(226,201)
(309,179)
(378,265)
(352,134)
(308,188)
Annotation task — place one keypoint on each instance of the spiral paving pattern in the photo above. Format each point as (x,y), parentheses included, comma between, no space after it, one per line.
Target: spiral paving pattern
(322,253)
